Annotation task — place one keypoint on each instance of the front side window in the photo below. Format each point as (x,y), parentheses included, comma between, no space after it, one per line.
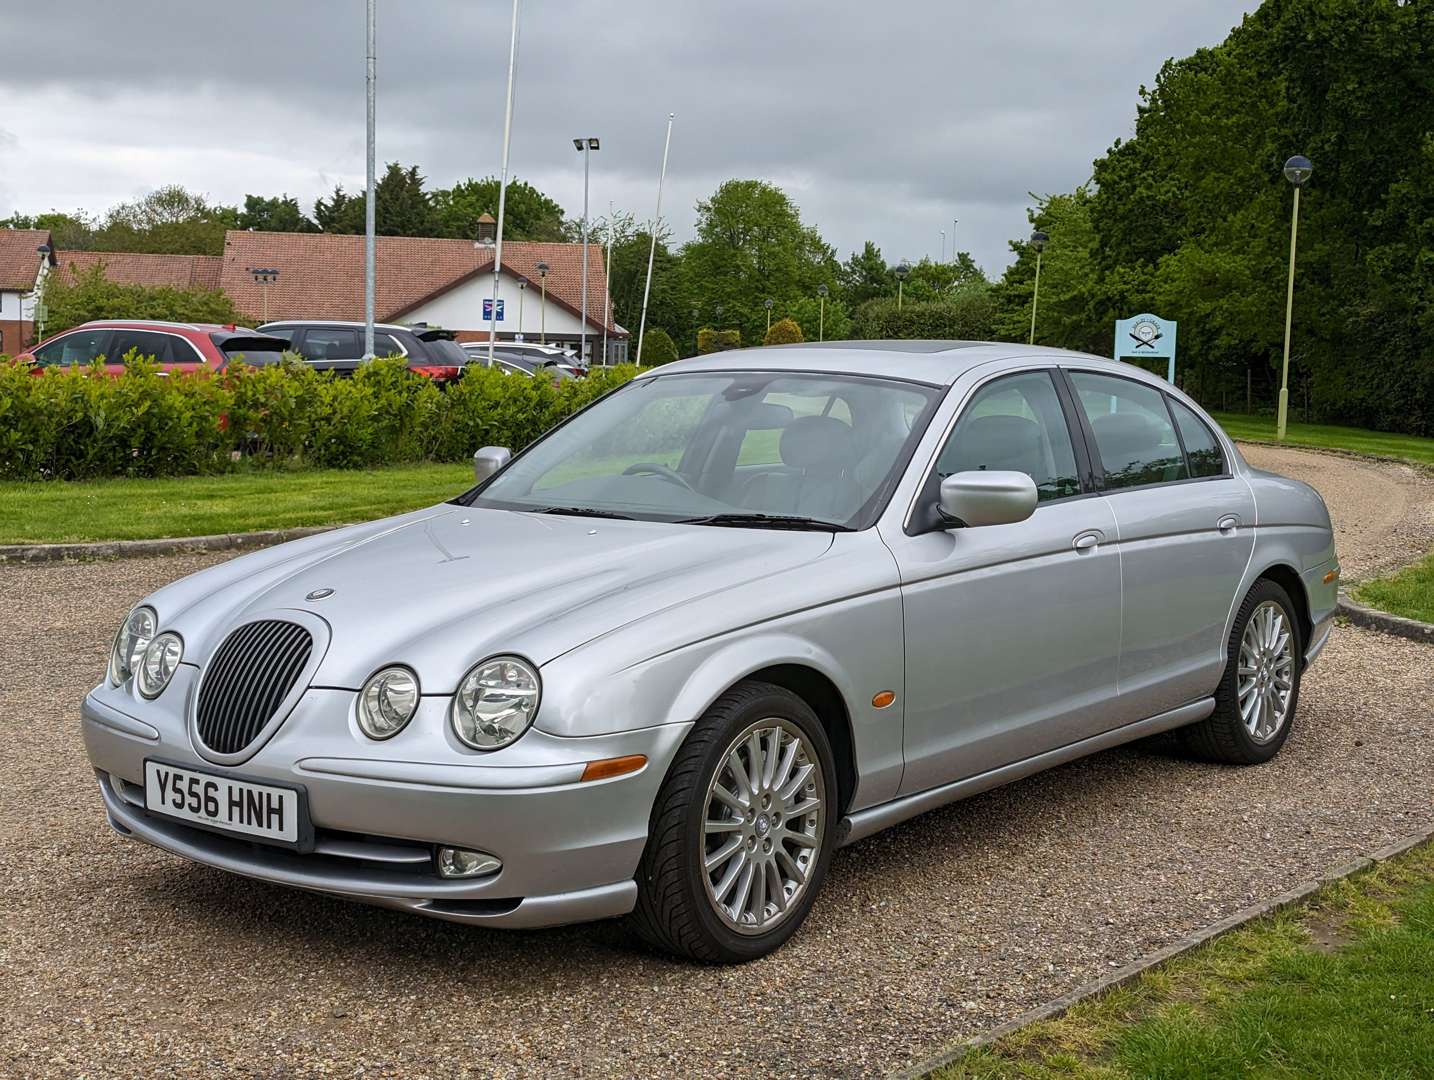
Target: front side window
(81,347)
(148,345)
(1134,437)
(1202,449)
(734,448)
(1015,423)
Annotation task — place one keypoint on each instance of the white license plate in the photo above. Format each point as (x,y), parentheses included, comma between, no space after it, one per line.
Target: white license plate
(270,813)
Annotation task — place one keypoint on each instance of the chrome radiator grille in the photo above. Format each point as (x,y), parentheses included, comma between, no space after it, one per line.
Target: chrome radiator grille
(248,678)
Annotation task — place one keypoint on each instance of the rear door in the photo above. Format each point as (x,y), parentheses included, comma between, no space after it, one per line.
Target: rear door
(1186,533)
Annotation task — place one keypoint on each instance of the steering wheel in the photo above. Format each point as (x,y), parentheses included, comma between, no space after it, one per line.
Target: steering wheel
(655,469)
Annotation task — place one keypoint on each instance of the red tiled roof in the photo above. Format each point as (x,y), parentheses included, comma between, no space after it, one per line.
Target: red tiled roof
(128,268)
(19,261)
(321,274)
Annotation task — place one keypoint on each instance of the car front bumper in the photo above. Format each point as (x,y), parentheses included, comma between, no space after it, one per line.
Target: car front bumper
(569,848)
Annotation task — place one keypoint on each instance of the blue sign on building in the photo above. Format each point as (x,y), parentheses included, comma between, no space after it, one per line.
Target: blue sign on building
(1146,335)
(488,310)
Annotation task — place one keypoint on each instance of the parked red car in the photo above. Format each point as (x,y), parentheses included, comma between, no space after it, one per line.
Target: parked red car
(174,346)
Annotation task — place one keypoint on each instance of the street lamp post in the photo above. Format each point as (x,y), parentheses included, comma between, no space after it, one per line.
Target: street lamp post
(767,303)
(903,269)
(370,200)
(943,245)
(1038,241)
(954,222)
(821,312)
(585,147)
(264,277)
(522,288)
(543,304)
(696,330)
(1297,171)
(652,247)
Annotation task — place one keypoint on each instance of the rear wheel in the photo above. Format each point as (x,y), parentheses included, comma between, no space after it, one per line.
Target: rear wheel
(1256,700)
(742,830)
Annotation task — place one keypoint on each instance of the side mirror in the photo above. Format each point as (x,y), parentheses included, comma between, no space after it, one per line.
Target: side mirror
(489,460)
(987,498)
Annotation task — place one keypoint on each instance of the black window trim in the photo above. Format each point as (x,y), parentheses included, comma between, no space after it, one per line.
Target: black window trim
(1093,449)
(1224,474)
(108,331)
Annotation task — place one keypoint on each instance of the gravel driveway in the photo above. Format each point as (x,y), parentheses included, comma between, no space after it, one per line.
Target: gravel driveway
(119,960)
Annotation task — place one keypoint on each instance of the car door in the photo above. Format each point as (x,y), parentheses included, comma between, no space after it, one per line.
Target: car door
(1186,528)
(1012,632)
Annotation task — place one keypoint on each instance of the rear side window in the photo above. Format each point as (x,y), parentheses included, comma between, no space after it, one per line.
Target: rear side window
(1015,423)
(162,348)
(1202,449)
(1133,433)
(285,332)
(331,343)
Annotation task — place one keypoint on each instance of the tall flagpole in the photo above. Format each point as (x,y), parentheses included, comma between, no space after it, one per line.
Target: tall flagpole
(607,288)
(368,202)
(652,251)
(503,185)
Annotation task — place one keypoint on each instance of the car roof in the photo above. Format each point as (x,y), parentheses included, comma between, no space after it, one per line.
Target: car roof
(937,363)
(356,324)
(158,324)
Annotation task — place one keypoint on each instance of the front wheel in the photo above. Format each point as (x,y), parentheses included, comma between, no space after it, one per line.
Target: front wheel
(1255,702)
(742,830)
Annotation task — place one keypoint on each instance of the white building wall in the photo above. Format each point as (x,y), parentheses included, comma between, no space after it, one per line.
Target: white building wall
(461,308)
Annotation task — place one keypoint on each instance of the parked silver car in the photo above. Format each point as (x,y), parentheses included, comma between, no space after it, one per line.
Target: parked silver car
(745,609)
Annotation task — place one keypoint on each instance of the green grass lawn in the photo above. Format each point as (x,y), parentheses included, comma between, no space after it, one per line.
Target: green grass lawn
(1410,592)
(1383,443)
(1340,987)
(64,512)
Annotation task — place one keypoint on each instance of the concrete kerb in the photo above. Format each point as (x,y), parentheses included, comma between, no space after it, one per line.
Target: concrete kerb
(1059,1005)
(121,549)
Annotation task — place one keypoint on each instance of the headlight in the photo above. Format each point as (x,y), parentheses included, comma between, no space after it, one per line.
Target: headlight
(158,664)
(131,641)
(387,702)
(495,703)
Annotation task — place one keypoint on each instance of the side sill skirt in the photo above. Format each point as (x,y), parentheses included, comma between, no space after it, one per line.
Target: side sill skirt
(864,823)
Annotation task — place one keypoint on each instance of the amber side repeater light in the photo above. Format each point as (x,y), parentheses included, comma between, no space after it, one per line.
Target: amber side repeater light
(883,699)
(607,768)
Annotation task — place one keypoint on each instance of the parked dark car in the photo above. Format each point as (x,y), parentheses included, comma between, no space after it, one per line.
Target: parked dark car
(513,361)
(174,346)
(338,346)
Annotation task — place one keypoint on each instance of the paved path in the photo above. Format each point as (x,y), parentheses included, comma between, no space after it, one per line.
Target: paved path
(119,960)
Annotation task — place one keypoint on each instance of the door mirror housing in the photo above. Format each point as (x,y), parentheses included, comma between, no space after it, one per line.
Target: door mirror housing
(489,460)
(971,499)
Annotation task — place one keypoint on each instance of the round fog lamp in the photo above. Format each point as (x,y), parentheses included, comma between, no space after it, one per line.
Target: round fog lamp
(460,863)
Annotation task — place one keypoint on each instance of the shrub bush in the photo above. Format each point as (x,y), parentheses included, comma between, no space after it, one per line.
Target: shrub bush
(94,296)
(711,341)
(77,423)
(658,348)
(784,332)
(968,315)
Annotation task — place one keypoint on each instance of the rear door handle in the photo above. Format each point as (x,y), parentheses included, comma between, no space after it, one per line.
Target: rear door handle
(1228,524)
(1086,541)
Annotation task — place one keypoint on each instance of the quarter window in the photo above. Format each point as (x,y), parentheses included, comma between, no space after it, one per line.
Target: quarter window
(1015,423)
(1133,433)
(1202,449)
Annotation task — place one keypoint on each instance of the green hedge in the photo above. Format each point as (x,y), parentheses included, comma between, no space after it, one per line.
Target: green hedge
(78,424)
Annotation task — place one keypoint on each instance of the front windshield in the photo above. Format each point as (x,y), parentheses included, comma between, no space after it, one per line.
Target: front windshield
(745,448)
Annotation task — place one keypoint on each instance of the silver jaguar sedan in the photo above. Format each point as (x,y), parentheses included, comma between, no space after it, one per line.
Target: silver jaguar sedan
(746,609)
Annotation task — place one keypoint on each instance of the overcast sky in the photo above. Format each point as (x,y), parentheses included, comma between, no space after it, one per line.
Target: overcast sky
(882,121)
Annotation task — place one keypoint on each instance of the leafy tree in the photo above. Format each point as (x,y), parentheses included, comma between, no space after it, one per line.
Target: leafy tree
(1073,313)
(657,348)
(94,296)
(401,206)
(711,341)
(170,221)
(528,214)
(751,244)
(68,232)
(784,332)
(670,303)
(806,311)
(865,276)
(966,315)
(279,213)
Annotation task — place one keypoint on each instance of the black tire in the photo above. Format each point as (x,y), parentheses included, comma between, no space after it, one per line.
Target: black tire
(674,912)
(1223,737)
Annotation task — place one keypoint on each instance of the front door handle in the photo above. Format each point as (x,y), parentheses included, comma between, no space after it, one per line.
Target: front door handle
(1228,524)
(1086,541)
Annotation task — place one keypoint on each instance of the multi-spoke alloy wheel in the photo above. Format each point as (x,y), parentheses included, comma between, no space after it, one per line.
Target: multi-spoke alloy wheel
(1266,671)
(766,814)
(742,829)
(1259,691)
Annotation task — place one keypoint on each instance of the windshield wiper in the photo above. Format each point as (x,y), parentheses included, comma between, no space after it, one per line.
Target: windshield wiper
(767,521)
(583,511)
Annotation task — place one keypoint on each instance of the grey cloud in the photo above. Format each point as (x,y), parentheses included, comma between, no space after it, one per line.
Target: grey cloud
(890,119)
